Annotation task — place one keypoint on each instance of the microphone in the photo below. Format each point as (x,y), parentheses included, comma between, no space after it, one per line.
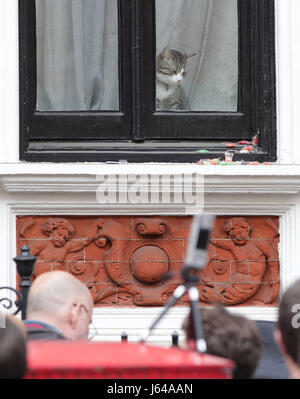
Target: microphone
(201,227)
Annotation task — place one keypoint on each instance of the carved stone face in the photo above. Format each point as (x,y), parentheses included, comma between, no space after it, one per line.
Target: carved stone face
(240,232)
(59,237)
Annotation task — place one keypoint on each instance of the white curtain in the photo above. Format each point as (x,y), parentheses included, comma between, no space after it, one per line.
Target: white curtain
(77,52)
(210,29)
(77,55)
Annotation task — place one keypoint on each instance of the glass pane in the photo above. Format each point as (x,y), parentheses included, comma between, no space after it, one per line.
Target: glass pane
(197,55)
(77,55)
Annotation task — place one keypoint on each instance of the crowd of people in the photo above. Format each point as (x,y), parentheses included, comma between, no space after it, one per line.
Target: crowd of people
(60,307)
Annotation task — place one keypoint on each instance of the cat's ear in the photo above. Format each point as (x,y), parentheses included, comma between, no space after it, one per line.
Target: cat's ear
(166,53)
(191,57)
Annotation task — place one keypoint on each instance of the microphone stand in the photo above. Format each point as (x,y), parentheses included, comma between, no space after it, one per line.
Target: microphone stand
(201,227)
(189,285)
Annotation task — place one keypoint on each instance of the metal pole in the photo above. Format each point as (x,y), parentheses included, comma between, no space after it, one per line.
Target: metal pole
(25,263)
(124,337)
(175,338)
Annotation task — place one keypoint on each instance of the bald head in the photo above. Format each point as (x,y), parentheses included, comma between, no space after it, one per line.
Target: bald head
(59,299)
(53,291)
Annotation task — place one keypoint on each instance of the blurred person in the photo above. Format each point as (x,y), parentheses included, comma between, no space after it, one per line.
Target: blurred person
(272,364)
(229,336)
(12,348)
(287,333)
(59,307)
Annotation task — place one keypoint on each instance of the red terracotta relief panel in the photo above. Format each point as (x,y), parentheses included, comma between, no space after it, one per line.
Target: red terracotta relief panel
(123,259)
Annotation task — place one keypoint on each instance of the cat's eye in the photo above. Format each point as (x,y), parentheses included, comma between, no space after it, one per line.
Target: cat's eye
(165,71)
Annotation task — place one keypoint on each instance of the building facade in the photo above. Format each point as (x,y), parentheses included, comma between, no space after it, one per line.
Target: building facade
(133,242)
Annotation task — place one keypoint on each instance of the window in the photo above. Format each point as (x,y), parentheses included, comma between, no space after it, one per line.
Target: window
(136,80)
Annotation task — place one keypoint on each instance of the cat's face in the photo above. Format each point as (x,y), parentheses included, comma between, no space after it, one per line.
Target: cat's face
(171,66)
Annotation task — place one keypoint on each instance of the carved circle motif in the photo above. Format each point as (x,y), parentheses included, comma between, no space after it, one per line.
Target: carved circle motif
(141,228)
(149,263)
(221,268)
(85,270)
(101,242)
(78,268)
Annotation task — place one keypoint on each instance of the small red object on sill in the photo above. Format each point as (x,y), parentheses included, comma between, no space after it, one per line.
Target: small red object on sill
(255,140)
(228,156)
(230,145)
(245,142)
(247,148)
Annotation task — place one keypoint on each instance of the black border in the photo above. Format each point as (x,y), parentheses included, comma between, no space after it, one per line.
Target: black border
(136,133)
(195,125)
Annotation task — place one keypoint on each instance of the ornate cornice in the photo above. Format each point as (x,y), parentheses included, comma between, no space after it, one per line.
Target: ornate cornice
(262,179)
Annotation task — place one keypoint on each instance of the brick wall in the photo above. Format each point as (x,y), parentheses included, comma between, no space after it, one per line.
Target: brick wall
(122,259)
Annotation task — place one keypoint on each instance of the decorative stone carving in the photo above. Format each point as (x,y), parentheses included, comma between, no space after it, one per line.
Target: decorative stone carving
(149,263)
(149,227)
(136,267)
(239,275)
(124,260)
(53,254)
(86,271)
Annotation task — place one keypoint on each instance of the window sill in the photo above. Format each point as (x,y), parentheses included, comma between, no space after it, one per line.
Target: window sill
(153,151)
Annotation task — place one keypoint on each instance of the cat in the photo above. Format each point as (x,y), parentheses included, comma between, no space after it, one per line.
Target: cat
(170,72)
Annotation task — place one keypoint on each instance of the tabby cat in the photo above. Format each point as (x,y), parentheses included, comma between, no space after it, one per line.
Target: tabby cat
(170,72)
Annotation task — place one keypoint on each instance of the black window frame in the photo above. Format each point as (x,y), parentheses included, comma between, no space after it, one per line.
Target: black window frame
(139,133)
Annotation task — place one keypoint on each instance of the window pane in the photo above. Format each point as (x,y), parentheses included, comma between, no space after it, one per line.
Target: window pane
(77,55)
(197,55)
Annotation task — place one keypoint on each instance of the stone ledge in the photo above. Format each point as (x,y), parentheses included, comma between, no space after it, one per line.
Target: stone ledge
(90,168)
(225,180)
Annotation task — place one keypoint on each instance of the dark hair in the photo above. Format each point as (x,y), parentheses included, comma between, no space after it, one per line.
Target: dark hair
(229,336)
(12,351)
(289,332)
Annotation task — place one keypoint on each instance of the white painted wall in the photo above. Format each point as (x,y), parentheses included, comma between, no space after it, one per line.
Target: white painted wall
(9,81)
(252,190)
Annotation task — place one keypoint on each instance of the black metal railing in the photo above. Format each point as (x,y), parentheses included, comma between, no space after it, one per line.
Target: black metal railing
(25,264)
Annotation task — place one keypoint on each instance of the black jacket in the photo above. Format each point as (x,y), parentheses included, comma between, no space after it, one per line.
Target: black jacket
(272,364)
(38,331)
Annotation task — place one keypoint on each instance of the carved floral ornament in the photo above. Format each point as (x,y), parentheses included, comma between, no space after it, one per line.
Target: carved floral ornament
(124,260)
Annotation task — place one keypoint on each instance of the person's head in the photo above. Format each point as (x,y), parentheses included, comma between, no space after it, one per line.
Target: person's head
(12,348)
(59,299)
(229,336)
(287,334)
